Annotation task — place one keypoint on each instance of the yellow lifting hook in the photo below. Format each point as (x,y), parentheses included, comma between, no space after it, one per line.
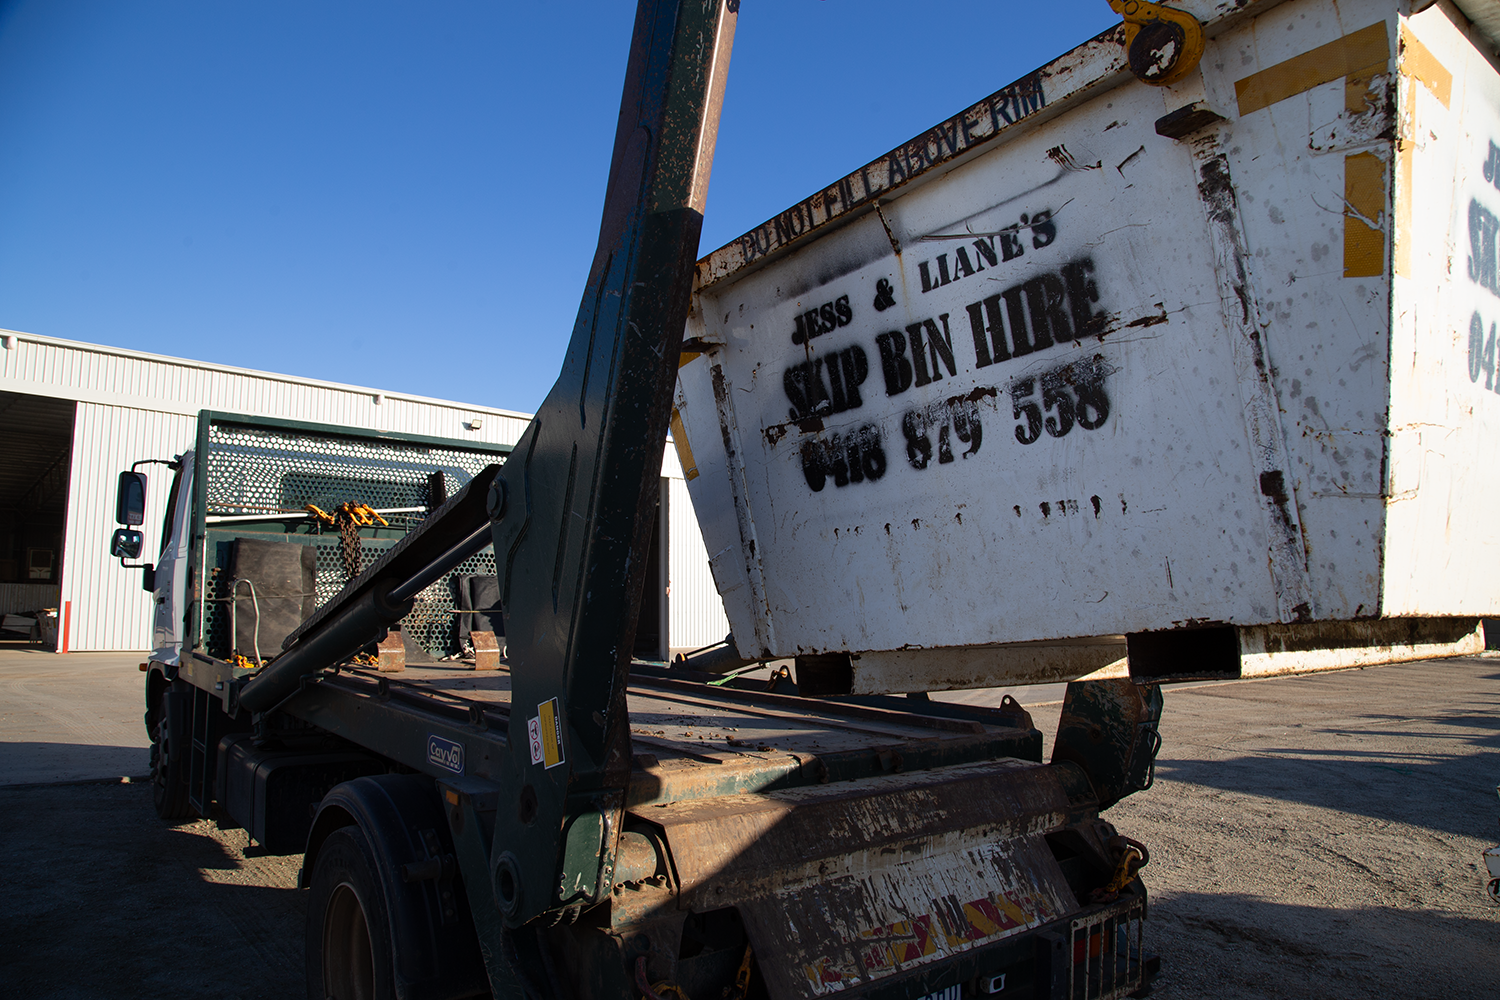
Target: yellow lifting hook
(1131,857)
(1162,44)
(352,512)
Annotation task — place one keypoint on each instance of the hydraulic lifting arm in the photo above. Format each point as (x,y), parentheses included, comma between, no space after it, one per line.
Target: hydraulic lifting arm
(570,512)
(573,505)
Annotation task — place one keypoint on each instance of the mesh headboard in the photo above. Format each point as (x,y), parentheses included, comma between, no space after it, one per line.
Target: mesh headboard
(255,470)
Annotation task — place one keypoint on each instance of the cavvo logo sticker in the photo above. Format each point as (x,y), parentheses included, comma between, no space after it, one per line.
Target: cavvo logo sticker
(445,754)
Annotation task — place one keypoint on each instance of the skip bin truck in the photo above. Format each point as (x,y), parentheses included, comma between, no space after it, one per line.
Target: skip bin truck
(1170,360)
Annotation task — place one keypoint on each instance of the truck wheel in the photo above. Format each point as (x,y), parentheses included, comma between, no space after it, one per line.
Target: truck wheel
(168,783)
(348,925)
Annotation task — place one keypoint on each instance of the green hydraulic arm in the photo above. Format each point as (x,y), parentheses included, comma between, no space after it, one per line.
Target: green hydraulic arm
(573,505)
(570,513)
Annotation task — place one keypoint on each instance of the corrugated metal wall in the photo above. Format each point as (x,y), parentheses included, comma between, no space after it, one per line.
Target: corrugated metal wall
(19,597)
(103,604)
(695,612)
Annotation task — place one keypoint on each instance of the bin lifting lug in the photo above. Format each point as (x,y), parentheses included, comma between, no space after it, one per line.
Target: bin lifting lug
(1162,44)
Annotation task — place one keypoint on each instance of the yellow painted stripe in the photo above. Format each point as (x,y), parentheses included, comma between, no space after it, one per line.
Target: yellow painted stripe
(1418,62)
(1359,95)
(684,450)
(1364,198)
(1360,55)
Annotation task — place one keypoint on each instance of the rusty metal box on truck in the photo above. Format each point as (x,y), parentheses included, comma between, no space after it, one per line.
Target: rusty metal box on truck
(1212,361)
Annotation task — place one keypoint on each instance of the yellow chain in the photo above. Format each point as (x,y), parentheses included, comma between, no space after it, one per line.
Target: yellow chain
(348,518)
(742,977)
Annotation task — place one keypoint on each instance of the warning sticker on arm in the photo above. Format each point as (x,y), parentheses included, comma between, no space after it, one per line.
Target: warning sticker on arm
(544,734)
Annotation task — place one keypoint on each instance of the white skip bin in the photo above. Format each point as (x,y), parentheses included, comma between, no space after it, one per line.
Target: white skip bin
(1211,365)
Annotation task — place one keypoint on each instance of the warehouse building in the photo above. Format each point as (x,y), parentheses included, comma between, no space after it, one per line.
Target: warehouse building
(73,415)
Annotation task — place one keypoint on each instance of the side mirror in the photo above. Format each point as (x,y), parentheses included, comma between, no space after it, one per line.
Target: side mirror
(148,578)
(130,503)
(126,544)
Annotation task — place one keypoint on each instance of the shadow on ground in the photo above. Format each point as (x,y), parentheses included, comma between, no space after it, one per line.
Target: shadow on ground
(1225,945)
(104,900)
(1399,774)
(32,763)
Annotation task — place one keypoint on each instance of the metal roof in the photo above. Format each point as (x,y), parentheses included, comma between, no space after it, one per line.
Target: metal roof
(9,339)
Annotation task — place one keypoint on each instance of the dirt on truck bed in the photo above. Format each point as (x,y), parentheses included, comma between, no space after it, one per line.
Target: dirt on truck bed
(1312,838)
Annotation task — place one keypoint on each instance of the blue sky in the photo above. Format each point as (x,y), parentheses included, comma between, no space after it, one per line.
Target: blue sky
(406,195)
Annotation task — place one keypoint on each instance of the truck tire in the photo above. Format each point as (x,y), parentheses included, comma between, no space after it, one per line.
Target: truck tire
(348,923)
(168,782)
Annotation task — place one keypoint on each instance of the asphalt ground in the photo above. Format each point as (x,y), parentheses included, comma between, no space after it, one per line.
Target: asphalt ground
(1320,836)
(1311,837)
(70,718)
